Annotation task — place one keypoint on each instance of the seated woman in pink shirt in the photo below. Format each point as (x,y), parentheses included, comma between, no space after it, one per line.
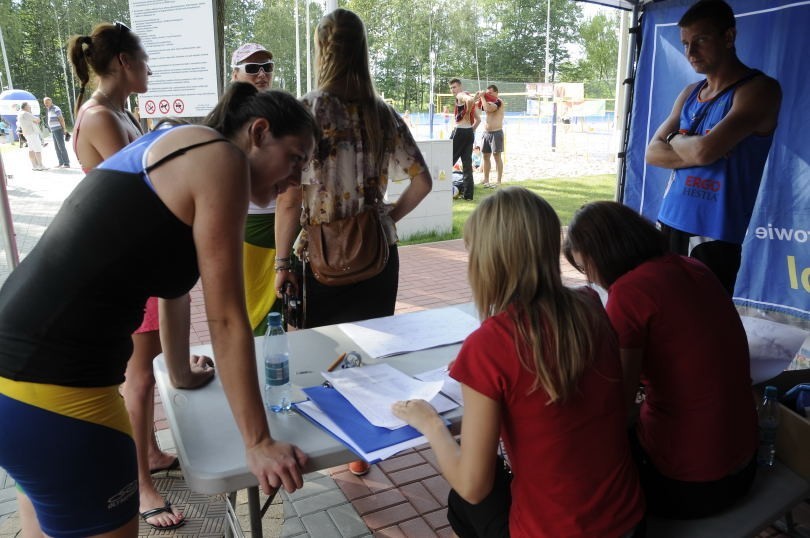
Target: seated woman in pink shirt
(682,339)
(542,373)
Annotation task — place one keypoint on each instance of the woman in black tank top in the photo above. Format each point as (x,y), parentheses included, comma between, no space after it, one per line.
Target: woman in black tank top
(254,147)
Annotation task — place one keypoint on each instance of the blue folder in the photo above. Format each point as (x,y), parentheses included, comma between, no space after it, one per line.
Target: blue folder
(367,436)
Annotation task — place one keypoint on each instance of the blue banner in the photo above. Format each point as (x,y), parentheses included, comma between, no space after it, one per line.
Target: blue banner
(773,36)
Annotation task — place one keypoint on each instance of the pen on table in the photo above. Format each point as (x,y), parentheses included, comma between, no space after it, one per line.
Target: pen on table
(336,363)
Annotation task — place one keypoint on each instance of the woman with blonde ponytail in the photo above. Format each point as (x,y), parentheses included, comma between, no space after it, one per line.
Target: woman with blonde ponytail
(103,123)
(542,374)
(366,144)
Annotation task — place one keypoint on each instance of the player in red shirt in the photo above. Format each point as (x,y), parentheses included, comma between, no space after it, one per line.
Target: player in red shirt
(542,373)
(682,339)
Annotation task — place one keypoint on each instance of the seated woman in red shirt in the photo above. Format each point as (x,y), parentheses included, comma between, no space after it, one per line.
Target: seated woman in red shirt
(543,374)
(682,339)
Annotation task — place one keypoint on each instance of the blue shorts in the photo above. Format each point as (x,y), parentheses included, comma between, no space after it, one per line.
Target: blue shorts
(71,452)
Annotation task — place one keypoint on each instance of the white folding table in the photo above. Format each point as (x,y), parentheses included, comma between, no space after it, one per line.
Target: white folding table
(208,441)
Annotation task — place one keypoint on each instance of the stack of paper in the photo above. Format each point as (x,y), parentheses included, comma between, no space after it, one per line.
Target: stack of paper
(358,409)
(393,335)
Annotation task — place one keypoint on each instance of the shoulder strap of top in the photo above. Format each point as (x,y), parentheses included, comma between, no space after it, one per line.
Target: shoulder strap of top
(707,105)
(181,151)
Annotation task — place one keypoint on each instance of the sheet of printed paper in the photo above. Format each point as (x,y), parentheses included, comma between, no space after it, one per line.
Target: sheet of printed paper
(314,412)
(450,387)
(373,389)
(393,335)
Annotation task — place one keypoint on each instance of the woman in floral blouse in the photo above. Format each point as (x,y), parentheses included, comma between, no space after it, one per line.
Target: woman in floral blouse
(365,145)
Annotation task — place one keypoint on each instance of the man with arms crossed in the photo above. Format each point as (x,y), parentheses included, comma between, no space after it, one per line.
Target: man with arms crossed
(29,125)
(716,141)
(467,119)
(492,139)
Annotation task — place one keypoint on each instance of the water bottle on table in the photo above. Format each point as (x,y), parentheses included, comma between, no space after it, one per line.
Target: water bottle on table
(768,416)
(276,354)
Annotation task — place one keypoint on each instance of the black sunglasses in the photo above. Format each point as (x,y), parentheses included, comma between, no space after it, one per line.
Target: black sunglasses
(253,68)
(121,27)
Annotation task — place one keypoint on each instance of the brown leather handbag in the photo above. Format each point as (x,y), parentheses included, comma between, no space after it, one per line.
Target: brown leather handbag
(348,250)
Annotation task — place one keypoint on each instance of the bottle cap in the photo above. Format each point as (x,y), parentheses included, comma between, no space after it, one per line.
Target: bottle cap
(274,318)
(770,391)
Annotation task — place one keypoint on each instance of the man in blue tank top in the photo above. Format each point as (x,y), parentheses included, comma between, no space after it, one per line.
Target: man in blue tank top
(716,141)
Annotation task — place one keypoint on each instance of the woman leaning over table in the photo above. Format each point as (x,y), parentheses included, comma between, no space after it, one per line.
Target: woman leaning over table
(681,338)
(103,126)
(365,145)
(149,221)
(542,373)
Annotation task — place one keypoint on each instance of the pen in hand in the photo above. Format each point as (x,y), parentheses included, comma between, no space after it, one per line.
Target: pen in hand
(337,362)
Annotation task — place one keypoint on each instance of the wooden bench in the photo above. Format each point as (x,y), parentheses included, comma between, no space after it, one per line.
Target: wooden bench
(774,494)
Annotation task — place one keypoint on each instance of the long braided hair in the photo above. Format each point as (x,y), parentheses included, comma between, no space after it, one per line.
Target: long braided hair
(343,67)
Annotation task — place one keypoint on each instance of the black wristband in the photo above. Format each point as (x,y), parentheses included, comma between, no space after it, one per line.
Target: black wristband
(672,135)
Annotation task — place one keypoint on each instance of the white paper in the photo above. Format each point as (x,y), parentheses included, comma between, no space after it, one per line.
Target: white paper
(373,389)
(771,345)
(393,335)
(323,419)
(179,38)
(450,387)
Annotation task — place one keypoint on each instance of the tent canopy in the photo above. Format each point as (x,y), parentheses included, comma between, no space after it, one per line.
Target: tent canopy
(620,4)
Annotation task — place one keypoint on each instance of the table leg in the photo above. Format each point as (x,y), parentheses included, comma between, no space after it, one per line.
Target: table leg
(255,511)
(230,516)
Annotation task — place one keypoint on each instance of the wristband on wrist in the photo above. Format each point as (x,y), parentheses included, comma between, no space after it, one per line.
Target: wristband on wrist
(672,135)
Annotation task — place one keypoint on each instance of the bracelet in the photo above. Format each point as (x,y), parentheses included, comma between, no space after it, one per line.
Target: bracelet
(672,135)
(282,260)
(280,268)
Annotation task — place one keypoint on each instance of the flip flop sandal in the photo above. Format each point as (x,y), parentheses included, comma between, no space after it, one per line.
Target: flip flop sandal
(173,466)
(167,508)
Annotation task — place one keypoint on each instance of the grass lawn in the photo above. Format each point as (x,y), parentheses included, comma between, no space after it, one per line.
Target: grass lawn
(565,195)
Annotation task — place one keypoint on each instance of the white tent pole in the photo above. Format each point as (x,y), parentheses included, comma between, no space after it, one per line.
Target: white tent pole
(5,60)
(548,38)
(308,31)
(10,244)
(297,52)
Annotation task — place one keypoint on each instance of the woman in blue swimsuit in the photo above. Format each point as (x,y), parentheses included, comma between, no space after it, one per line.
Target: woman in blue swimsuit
(149,221)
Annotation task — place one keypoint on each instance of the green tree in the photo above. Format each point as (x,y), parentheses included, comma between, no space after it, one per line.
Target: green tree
(515,34)
(597,68)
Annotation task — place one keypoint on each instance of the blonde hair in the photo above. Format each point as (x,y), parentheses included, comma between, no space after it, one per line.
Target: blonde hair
(342,66)
(513,239)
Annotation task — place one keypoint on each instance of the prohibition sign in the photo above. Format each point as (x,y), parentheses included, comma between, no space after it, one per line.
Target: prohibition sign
(178,106)
(164,106)
(150,107)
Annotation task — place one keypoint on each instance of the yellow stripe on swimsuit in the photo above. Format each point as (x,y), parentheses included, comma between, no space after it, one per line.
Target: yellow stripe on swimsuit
(99,405)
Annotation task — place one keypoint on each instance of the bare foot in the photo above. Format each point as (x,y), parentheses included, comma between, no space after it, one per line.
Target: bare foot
(160,460)
(151,500)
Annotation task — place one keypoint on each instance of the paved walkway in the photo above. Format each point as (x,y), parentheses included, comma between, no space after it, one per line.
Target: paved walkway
(403,496)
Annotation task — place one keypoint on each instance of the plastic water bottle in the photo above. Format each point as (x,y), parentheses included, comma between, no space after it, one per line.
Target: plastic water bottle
(768,414)
(276,351)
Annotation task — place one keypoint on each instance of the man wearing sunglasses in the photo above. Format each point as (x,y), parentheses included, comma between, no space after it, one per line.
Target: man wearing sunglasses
(252,63)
